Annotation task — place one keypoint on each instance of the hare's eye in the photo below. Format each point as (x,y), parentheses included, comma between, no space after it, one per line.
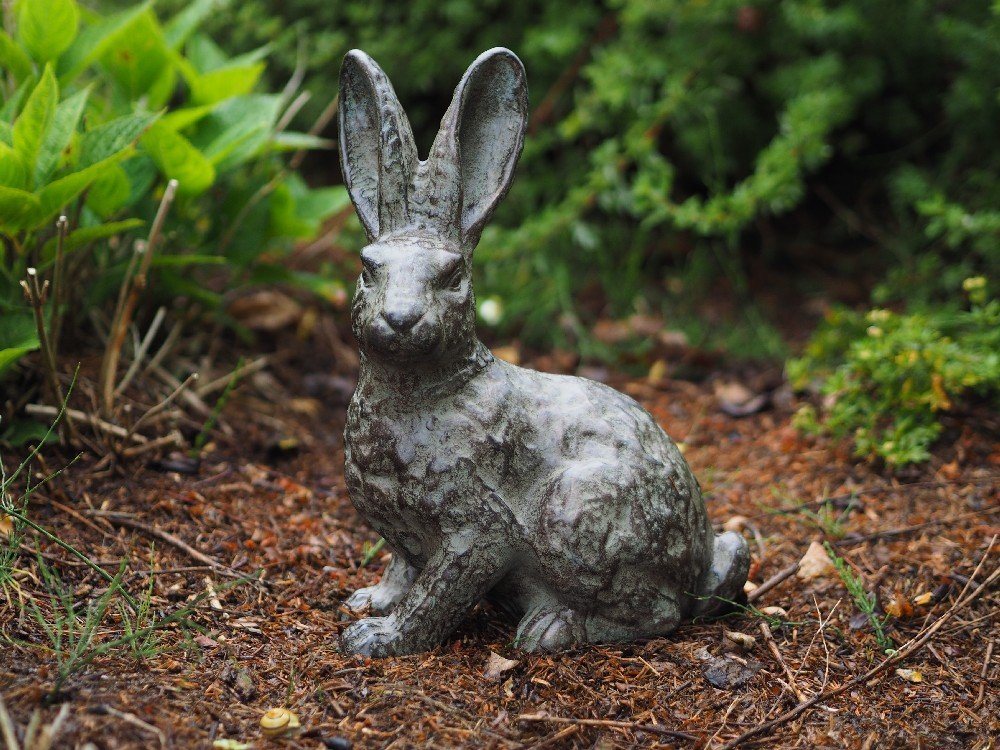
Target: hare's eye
(455,280)
(366,276)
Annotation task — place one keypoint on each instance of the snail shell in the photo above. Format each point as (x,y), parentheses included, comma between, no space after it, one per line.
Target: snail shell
(278,721)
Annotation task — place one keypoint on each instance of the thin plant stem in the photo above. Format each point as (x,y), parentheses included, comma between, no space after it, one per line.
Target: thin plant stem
(132,286)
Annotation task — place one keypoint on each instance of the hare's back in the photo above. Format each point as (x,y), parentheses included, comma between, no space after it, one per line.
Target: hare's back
(588,420)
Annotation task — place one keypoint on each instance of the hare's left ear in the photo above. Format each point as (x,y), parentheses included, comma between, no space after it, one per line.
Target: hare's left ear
(377,153)
(480,140)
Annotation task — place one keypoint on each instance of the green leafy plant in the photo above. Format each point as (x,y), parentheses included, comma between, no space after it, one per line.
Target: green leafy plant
(865,601)
(886,378)
(99,112)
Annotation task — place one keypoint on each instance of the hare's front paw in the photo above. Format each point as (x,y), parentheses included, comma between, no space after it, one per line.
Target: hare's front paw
(372,636)
(379,598)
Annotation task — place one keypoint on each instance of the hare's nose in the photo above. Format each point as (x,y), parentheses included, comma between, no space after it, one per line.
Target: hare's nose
(402,318)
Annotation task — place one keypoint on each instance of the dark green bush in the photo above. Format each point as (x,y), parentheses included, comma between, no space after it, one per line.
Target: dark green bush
(665,134)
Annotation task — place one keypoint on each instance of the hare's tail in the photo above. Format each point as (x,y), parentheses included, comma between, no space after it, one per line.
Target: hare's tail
(723,582)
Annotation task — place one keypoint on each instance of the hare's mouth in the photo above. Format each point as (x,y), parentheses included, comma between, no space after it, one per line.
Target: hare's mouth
(416,342)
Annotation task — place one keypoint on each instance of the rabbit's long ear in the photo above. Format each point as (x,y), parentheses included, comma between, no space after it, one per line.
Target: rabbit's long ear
(480,140)
(377,153)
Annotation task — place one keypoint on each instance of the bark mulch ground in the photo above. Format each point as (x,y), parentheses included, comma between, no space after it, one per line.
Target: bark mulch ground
(272,499)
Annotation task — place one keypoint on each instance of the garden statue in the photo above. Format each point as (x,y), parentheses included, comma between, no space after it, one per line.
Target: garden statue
(557,498)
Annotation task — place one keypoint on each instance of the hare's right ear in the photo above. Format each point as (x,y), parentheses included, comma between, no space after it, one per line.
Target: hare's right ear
(377,153)
(480,140)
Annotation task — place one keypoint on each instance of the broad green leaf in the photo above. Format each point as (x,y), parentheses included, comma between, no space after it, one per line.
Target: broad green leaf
(109,192)
(95,39)
(54,196)
(237,130)
(85,235)
(162,90)
(186,116)
(298,212)
(63,126)
(142,174)
(6,134)
(291,141)
(13,58)
(32,125)
(181,285)
(12,105)
(184,23)
(16,206)
(226,82)
(18,336)
(204,54)
(13,171)
(9,356)
(113,136)
(177,159)
(46,28)
(23,431)
(136,60)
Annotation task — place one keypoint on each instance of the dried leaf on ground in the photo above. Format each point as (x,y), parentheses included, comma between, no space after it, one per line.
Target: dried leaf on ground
(726,672)
(814,563)
(736,400)
(265,310)
(497,666)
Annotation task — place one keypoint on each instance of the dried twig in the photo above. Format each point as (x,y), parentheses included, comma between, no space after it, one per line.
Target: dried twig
(630,725)
(157,408)
(7,728)
(242,371)
(55,319)
(175,438)
(43,410)
(140,351)
(133,720)
(48,735)
(769,639)
(36,294)
(128,298)
(983,675)
(778,578)
(122,519)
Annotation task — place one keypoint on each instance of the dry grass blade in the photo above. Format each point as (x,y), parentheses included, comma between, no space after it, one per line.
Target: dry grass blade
(132,286)
(7,728)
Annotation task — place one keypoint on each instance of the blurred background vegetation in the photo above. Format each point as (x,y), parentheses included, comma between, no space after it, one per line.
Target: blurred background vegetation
(730,171)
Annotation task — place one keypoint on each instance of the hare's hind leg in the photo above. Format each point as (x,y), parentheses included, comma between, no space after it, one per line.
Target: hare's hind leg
(396,580)
(550,626)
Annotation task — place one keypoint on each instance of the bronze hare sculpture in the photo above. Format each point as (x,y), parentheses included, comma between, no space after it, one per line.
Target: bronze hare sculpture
(556,497)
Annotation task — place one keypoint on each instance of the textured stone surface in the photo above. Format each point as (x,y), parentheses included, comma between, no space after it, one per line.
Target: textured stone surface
(557,497)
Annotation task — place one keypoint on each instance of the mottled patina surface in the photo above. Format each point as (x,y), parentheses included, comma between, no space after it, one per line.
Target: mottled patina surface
(558,498)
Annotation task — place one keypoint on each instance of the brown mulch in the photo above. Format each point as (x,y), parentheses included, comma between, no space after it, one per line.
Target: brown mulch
(272,498)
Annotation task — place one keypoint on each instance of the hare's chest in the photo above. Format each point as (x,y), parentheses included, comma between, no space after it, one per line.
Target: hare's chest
(408,469)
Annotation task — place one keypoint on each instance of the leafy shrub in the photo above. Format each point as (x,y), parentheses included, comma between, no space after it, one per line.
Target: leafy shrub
(665,136)
(886,378)
(99,111)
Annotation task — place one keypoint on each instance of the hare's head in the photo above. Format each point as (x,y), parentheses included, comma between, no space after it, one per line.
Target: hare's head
(423,218)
